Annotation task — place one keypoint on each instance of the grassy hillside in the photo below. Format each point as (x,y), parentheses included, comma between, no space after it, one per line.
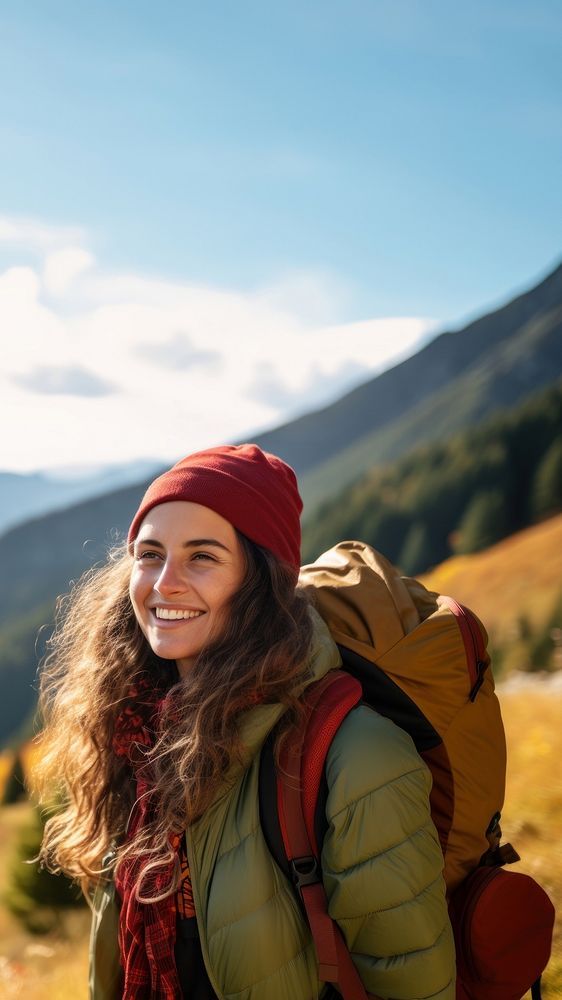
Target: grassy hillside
(50,967)
(515,587)
(521,574)
(532,815)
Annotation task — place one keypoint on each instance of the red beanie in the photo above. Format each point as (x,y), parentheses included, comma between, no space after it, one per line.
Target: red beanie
(255,491)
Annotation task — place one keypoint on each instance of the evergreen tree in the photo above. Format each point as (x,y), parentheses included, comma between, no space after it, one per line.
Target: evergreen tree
(546,496)
(34,895)
(484,521)
(416,554)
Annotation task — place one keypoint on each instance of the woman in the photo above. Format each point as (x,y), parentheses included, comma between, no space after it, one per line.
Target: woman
(172,666)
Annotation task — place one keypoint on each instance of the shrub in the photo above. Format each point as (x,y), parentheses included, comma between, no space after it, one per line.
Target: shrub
(484,521)
(33,895)
(546,496)
(14,789)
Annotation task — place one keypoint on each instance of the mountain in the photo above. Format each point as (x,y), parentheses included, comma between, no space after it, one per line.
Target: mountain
(52,551)
(27,495)
(452,383)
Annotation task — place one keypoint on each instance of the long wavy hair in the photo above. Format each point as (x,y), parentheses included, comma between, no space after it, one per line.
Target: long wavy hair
(98,654)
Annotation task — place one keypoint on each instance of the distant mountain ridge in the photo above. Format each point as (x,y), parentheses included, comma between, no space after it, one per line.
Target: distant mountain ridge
(33,494)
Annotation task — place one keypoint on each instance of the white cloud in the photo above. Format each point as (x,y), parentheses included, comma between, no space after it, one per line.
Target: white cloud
(37,236)
(62,267)
(184,365)
(62,381)
(177,352)
(312,296)
(31,332)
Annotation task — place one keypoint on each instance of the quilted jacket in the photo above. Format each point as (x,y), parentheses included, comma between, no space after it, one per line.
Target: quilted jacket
(381,862)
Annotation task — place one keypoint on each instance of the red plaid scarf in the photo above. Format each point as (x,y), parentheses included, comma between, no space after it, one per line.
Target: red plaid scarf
(147,931)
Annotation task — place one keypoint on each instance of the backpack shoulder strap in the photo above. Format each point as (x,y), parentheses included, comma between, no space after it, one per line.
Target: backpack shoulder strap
(327,702)
(301,766)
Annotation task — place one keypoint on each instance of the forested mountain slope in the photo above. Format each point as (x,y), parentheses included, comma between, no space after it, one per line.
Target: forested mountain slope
(460,495)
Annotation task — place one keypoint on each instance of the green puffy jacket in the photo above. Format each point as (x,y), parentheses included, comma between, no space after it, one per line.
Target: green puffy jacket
(381,863)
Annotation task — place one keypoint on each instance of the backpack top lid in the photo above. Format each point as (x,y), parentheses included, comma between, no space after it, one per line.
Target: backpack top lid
(351,579)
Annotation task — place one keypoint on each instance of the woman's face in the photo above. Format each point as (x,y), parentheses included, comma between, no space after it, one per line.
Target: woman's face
(188,564)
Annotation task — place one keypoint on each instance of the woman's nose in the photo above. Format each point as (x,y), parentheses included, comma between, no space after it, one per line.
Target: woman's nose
(172,579)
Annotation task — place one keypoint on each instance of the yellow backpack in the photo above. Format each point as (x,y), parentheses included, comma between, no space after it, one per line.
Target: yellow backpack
(428,671)
(419,659)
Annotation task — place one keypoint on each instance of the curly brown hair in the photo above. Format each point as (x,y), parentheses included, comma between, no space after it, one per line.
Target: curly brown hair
(98,653)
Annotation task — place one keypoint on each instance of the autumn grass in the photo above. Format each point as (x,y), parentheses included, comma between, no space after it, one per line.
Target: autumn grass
(49,967)
(532,818)
(520,576)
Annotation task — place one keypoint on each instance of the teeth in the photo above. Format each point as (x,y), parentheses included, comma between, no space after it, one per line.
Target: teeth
(171,614)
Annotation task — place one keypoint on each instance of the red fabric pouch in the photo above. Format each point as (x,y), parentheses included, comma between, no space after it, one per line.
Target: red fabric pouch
(503,924)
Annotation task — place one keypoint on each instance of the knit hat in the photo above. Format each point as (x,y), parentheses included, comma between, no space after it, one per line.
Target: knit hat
(255,491)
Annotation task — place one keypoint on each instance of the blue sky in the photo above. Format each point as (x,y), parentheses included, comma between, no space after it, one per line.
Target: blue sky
(377,159)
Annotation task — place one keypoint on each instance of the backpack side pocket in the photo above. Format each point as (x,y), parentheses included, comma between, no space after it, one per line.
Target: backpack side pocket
(503,923)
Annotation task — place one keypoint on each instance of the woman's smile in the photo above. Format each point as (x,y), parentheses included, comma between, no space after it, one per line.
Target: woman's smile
(176,614)
(176,620)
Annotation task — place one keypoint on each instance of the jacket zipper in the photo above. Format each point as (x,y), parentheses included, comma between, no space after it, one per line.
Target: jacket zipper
(198,910)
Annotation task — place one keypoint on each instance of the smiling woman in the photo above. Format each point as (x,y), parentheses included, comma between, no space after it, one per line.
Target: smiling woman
(169,671)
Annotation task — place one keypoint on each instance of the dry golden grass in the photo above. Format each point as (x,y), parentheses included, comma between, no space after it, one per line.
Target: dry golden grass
(53,967)
(520,575)
(532,818)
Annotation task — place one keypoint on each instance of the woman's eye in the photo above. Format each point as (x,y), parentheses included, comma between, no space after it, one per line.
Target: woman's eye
(147,555)
(200,556)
